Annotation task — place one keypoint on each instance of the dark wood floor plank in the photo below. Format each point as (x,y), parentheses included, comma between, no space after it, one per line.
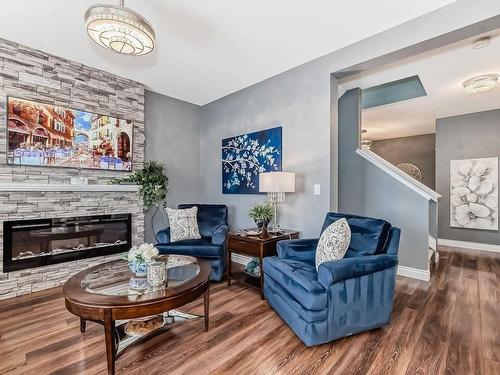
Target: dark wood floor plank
(345,364)
(448,326)
(431,350)
(252,356)
(288,354)
(397,347)
(220,350)
(465,346)
(320,361)
(490,330)
(491,367)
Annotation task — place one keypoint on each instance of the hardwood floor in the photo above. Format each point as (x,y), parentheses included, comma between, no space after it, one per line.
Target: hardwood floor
(448,326)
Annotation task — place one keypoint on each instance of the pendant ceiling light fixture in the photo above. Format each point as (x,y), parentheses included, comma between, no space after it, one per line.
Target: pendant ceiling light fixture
(480,83)
(119,29)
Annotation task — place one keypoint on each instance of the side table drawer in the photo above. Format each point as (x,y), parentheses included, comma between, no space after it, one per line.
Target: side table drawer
(243,246)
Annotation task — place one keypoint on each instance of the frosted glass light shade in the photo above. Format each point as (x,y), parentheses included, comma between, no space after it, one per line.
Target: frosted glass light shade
(283,182)
(119,29)
(480,83)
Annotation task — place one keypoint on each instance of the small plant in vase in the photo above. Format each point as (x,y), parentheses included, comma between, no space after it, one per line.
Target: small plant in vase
(262,214)
(140,256)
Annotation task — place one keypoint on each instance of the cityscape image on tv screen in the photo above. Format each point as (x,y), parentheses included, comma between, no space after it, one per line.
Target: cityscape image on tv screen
(46,135)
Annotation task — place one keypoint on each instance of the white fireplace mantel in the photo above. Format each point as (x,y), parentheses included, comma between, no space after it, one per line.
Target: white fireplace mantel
(14,187)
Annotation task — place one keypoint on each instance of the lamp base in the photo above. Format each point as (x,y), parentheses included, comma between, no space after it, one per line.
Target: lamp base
(275,229)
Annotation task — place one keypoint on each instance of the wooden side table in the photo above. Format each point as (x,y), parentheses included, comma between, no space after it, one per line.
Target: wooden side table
(254,246)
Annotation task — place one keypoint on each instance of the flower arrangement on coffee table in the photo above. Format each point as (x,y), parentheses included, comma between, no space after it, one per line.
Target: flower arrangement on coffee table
(140,256)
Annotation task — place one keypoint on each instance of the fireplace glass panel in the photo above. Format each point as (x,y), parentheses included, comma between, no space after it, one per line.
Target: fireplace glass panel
(45,241)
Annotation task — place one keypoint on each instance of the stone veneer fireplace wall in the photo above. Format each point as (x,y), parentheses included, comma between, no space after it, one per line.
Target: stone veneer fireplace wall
(34,75)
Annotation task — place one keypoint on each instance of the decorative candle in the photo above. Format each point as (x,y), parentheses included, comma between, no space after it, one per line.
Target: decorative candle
(156,273)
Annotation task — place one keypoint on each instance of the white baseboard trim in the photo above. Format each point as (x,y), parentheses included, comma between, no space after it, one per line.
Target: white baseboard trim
(469,245)
(432,243)
(413,273)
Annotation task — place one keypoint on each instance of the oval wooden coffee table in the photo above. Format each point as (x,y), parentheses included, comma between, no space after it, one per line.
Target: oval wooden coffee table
(111,295)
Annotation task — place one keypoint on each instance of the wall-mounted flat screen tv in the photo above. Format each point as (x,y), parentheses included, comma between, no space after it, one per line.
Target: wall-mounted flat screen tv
(46,135)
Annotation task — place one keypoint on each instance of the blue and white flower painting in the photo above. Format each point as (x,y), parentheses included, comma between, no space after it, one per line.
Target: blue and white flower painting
(245,156)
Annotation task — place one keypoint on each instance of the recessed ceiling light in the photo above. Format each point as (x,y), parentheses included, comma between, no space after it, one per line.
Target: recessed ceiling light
(480,83)
(119,29)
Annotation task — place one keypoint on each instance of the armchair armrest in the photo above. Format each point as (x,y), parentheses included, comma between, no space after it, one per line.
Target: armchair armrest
(349,268)
(303,249)
(393,241)
(219,236)
(163,236)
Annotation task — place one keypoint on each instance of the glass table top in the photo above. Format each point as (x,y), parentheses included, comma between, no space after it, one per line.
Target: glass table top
(116,279)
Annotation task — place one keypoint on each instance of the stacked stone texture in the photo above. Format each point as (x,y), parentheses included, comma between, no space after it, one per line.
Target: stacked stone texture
(34,75)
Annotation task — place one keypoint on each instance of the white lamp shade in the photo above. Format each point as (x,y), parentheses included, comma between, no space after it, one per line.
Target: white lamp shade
(271,182)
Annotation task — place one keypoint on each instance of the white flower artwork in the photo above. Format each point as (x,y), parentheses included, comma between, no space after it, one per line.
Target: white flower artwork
(474,193)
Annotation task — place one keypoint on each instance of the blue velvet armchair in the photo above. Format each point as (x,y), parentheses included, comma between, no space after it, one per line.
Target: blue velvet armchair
(343,297)
(213,226)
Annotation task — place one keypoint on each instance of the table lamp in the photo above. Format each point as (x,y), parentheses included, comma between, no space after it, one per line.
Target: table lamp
(276,184)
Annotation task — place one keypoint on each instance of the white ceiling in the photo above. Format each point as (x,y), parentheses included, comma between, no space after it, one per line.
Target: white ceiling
(442,73)
(207,49)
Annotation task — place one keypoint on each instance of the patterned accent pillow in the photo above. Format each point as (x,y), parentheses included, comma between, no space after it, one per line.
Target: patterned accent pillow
(183,224)
(334,242)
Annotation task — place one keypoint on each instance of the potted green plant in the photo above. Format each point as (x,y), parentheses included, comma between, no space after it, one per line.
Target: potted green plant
(262,214)
(153,183)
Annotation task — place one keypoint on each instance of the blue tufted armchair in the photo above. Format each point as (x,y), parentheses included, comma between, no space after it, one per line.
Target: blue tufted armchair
(343,297)
(213,226)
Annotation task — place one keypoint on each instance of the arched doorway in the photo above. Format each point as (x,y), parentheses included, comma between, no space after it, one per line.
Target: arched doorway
(41,136)
(18,134)
(123,151)
(82,140)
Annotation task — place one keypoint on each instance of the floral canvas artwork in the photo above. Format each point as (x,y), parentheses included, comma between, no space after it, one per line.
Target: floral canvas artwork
(474,193)
(245,156)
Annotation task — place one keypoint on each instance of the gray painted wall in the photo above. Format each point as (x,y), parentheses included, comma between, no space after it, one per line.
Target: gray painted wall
(173,137)
(474,135)
(433,219)
(299,101)
(419,150)
(334,144)
(366,190)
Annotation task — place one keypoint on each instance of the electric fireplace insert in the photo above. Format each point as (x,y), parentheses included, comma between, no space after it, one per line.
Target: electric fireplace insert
(40,242)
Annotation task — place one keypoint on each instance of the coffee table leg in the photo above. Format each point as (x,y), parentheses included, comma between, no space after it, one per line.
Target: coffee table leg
(206,298)
(109,328)
(83,325)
